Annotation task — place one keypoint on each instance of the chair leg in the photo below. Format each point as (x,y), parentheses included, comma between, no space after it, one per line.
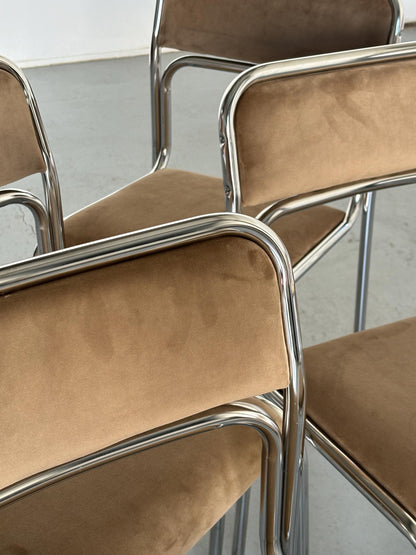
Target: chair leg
(364,261)
(240,524)
(303,524)
(216,539)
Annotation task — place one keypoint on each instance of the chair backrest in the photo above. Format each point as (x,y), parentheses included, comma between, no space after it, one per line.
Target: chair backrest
(100,355)
(308,125)
(20,153)
(265,30)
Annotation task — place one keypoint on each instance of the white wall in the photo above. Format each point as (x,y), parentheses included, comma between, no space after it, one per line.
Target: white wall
(37,32)
(40,32)
(409,7)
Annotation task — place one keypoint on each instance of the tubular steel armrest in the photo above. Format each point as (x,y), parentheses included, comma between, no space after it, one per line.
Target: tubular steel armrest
(300,202)
(162,108)
(40,215)
(358,194)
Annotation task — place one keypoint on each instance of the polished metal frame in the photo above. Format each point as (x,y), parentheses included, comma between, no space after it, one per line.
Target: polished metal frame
(283,449)
(49,176)
(38,210)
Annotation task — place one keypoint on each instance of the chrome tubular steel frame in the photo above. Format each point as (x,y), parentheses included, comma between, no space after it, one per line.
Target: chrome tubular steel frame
(164,111)
(278,530)
(18,196)
(50,176)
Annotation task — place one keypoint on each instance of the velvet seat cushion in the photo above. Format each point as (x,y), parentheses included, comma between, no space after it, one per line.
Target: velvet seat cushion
(159,501)
(169,195)
(361,393)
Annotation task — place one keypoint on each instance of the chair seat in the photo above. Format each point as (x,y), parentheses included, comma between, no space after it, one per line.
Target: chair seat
(361,393)
(169,195)
(148,503)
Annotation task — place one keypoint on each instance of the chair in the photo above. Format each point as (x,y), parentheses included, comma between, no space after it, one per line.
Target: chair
(232,36)
(331,109)
(361,415)
(129,416)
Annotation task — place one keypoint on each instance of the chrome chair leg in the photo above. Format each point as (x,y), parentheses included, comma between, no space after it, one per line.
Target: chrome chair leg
(216,538)
(240,524)
(364,261)
(303,524)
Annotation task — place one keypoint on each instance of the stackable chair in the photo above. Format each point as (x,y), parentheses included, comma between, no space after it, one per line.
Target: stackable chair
(361,411)
(229,35)
(130,421)
(348,125)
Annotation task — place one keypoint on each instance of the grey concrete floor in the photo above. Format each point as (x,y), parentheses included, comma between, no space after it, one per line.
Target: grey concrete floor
(97,116)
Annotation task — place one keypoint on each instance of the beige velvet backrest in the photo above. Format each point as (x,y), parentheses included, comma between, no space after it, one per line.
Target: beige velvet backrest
(96,357)
(302,133)
(20,154)
(266,30)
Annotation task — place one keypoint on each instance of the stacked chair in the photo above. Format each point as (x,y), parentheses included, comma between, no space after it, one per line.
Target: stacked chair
(97,411)
(332,111)
(130,422)
(91,388)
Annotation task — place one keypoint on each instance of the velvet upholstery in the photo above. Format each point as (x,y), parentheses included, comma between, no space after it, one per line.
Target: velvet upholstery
(169,195)
(20,155)
(361,393)
(100,356)
(156,502)
(304,133)
(266,30)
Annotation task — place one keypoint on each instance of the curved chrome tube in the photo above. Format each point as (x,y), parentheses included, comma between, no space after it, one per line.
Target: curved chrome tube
(18,196)
(306,200)
(50,176)
(326,244)
(154,63)
(164,111)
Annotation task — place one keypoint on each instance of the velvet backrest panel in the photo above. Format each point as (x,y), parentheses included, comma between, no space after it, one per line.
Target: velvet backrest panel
(94,358)
(267,30)
(310,132)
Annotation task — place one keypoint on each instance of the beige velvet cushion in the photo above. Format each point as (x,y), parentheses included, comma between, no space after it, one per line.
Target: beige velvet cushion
(300,134)
(97,357)
(361,392)
(266,30)
(20,155)
(156,502)
(169,195)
